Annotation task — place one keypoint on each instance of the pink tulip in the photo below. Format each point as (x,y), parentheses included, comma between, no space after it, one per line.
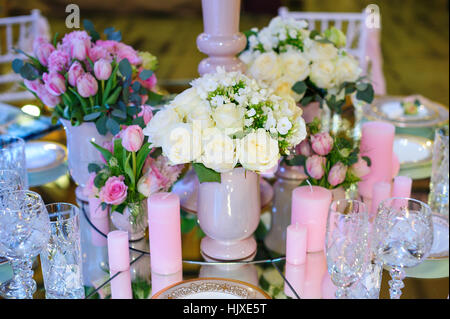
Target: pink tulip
(304,148)
(77,44)
(360,168)
(98,52)
(132,138)
(102,69)
(42,50)
(54,83)
(150,184)
(58,61)
(146,113)
(315,166)
(124,51)
(48,99)
(108,45)
(87,85)
(75,71)
(115,191)
(322,143)
(33,85)
(337,174)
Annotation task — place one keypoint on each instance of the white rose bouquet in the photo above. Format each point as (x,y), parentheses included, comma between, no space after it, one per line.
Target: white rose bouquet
(307,65)
(226,120)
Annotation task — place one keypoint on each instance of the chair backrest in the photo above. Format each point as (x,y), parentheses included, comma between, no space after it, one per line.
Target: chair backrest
(352,24)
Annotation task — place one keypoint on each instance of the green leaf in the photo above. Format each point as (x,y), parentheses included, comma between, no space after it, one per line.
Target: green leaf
(299,87)
(119,151)
(17,64)
(156,153)
(29,72)
(112,34)
(92,116)
(139,121)
(114,96)
(129,170)
(83,101)
(367,95)
(93,168)
(205,174)
(154,98)
(125,68)
(112,126)
(106,154)
(368,160)
(307,99)
(145,74)
(142,156)
(55,39)
(119,113)
(89,27)
(101,125)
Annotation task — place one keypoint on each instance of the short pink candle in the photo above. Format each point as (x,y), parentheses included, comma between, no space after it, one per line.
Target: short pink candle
(100,219)
(119,261)
(377,142)
(402,187)
(160,282)
(310,205)
(295,275)
(381,191)
(296,244)
(165,233)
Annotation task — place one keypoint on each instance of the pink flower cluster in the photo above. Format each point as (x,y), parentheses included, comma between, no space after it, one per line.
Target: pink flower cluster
(71,57)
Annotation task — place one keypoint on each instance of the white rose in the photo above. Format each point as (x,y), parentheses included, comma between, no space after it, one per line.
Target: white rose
(283,87)
(298,132)
(202,113)
(258,151)
(265,67)
(182,143)
(321,51)
(186,101)
(218,150)
(347,69)
(322,74)
(229,116)
(246,57)
(158,126)
(295,65)
(284,125)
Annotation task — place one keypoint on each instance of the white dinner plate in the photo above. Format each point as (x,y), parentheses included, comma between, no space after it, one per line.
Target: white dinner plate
(212,288)
(413,151)
(43,156)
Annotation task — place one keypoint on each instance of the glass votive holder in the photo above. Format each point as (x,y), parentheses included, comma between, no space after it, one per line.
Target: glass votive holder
(439,184)
(61,260)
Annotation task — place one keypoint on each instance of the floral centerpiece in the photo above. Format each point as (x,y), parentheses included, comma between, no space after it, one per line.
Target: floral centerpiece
(131,172)
(330,161)
(308,65)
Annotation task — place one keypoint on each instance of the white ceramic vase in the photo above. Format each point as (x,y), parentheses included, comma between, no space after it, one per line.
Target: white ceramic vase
(229,213)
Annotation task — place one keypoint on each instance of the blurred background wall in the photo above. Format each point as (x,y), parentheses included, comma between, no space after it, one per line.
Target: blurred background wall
(415,33)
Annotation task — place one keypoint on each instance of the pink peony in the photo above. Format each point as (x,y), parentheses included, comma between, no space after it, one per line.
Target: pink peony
(75,71)
(54,83)
(58,61)
(115,191)
(48,99)
(360,168)
(304,148)
(87,85)
(322,143)
(42,50)
(315,166)
(124,51)
(337,174)
(132,138)
(102,69)
(146,113)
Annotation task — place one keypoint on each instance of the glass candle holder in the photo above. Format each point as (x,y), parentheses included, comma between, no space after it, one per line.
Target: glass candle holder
(438,198)
(12,156)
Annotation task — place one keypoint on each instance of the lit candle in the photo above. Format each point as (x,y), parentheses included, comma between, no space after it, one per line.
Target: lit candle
(310,205)
(119,261)
(100,219)
(296,244)
(377,143)
(380,192)
(402,187)
(165,233)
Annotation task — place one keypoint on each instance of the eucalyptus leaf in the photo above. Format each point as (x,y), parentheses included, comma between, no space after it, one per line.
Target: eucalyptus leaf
(17,64)
(100,124)
(299,87)
(205,174)
(92,116)
(125,68)
(112,126)
(145,74)
(93,168)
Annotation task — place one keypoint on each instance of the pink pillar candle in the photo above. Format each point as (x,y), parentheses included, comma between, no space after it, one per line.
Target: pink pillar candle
(381,191)
(377,143)
(295,276)
(296,244)
(165,233)
(160,282)
(310,205)
(316,266)
(402,187)
(100,219)
(119,261)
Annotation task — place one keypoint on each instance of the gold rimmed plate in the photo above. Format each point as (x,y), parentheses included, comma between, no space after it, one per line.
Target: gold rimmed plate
(439,250)
(211,288)
(413,151)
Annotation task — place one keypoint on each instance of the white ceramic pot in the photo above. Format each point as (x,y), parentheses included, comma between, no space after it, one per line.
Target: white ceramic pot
(81,151)
(229,214)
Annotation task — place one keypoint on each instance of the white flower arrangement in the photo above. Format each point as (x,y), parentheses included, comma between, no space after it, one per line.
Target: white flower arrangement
(306,65)
(224,120)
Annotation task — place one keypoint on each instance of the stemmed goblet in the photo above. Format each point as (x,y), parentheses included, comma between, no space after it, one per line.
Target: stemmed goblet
(10,180)
(12,156)
(402,237)
(346,243)
(24,232)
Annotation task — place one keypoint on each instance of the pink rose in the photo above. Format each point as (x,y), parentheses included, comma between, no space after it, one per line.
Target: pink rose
(304,148)
(102,69)
(315,166)
(87,85)
(360,168)
(48,99)
(149,83)
(322,143)
(146,113)
(75,71)
(337,174)
(54,83)
(124,51)
(90,190)
(114,192)
(33,85)
(58,61)
(132,138)
(42,50)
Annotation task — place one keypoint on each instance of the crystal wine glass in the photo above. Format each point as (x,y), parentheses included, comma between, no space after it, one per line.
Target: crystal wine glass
(24,232)
(402,237)
(10,180)
(12,156)
(347,243)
